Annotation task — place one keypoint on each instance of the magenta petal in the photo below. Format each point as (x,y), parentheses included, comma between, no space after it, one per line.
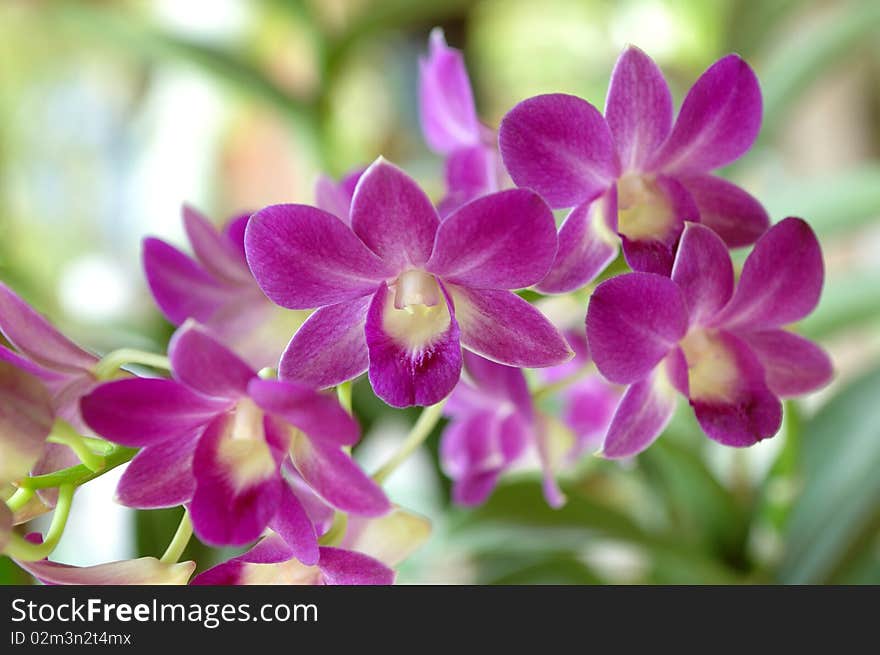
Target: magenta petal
(330,347)
(146,411)
(237,491)
(303,257)
(792,365)
(320,513)
(181,287)
(35,337)
(25,421)
(586,246)
(633,321)
(415,359)
(446,103)
(703,271)
(736,216)
(638,108)
(470,172)
(745,411)
(560,146)
(501,326)
(204,364)
(643,413)
(484,244)
(347,567)
(335,197)
(718,122)
(781,280)
(317,414)
(498,382)
(217,253)
(394,217)
(292,523)
(159,476)
(334,475)
(234,230)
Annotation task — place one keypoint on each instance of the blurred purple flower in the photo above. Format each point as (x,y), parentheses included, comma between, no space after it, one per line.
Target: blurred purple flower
(335,197)
(634,173)
(721,347)
(400,293)
(215,438)
(26,418)
(141,571)
(451,128)
(216,288)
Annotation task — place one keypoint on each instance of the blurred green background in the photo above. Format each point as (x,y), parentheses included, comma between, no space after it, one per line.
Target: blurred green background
(113,113)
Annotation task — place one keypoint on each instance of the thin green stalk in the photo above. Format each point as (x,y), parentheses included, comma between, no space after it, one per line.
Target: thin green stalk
(19,499)
(343,392)
(179,541)
(21,549)
(79,474)
(63,433)
(429,418)
(112,362)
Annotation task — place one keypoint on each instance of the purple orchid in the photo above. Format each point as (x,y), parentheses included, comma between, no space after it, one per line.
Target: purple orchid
(215,437)
(452,129)
(216,288)
(399,293)
(492,425)
(722,348)
(335,197)
(634,173)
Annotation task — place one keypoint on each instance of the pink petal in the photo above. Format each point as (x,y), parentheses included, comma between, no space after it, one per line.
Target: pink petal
(159,476)
(718,121)
(446,103)
(501,326)
(204,364)
(781,280)
(293,525)
(482,244)
(346,567)
(181,287)
(736,216)
(643,413)
(237,491)
(145,411)
(633,321)
(394,217)
(335,197)
(234,231)
(586,246)
(337,478)
(35,337)
(216,252)
(317,414)
(499,382)
(638,108)
(470,172)
(792,365)
(415,359)
(26,419)
(330,347)
(560,146)
(142,571)
(703,271)
(737,408)
(303,257)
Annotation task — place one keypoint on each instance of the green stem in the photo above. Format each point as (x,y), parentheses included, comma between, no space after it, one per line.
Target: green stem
(550,389)
(179,541)
(420,431)
(112,362)
(80,474)
(19,499)
(63,433)
(343,392)
(21,549)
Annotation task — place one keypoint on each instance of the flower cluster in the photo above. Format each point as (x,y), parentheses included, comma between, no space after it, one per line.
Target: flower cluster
(251,429)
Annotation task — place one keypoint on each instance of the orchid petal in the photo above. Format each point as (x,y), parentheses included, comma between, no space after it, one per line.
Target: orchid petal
(335,197)
(736,216)
(703,271)
(346,567)
(25,421)
(216,252)
(292,523)
(204,364)
(470,173)
(792,365)
(390,539)
(142,571)
(159,476)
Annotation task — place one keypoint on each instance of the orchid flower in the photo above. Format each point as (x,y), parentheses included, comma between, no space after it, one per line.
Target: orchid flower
(215,438)
(722,348)
(399,293)
(216,288)
(634,173)
(452,129)
(365,556)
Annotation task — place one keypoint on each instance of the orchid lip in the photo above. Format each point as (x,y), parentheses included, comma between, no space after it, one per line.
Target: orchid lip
(712,373)
(643,211)
(413,288)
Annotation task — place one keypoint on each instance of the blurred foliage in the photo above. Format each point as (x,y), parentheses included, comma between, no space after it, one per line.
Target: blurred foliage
(112,113)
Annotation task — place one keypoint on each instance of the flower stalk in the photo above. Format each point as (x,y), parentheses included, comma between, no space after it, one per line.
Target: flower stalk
(426,422)
(179,541)
(21,549)
(111,363)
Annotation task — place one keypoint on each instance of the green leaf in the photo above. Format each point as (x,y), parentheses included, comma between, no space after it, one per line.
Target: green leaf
(838,513)
(553,569)
(846,301)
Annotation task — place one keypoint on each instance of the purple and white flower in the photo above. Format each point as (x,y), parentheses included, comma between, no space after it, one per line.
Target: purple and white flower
(635,173)
(721,347)
(399,293)
(215,438)
(215,287)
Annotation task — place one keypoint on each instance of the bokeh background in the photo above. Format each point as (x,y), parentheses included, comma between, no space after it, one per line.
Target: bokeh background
(113,113)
